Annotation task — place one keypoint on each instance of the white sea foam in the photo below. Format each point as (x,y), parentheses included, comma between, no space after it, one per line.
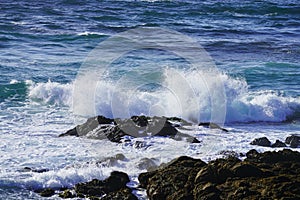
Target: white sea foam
(51,93)
(190,99)
(86,33)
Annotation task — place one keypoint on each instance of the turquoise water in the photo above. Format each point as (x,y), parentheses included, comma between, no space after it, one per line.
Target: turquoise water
(255,46)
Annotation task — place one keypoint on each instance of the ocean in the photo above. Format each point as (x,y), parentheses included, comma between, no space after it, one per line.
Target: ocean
(46,47)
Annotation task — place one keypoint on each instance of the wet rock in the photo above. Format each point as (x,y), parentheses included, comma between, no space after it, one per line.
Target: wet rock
(293,141)
(271,175)
(174,181)
(48,192)
(147,163)
(111,161)
(67,194)
(28,169)
(212,126)
(137,126)
(278,143)
(114,187)
(263,141)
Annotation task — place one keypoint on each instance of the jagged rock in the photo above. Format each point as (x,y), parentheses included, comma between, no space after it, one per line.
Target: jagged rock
(114,187)
(212,126)
(271,175)
(137,126)
(174,181)
(263,141)
(293,141)
(278,143)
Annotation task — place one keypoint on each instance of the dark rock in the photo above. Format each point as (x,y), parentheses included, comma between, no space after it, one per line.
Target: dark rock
(285,155)
(137,126)
(268,175)
(140,120)
(173,181)
(114,187)
(48,192)
(244,170)
(122,194)
(212,126)
(104,120)
(278,143)
(71,132)
(293,141)
(28,169)
(66,194)
(206,191)
(263,141)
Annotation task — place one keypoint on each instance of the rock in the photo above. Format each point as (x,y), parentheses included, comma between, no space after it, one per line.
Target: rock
(111,161)
(285,155)
(173,181)
(100,127)
(244,170)
(293,141)
(206,191)
(48,192)
(212,126)
(278,143)
(268,175)
(147,163)
(66,194)
(263,141)
(114,187)
(28,169)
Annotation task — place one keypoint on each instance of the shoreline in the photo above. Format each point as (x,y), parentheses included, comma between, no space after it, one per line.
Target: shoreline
(221,178)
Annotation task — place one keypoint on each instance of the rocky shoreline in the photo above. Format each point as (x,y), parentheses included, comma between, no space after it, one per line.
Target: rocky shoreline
(268,175)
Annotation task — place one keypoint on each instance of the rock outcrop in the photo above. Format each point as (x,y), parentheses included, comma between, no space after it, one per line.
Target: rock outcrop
(137,126)
(293,141)
(114,187)
(269,175)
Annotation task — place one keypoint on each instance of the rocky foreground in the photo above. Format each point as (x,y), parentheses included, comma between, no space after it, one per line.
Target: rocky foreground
(268,175)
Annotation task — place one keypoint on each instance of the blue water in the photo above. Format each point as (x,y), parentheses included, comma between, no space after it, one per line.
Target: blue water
(255,46)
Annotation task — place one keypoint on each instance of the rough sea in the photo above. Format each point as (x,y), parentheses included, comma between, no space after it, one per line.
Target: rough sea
(44,45)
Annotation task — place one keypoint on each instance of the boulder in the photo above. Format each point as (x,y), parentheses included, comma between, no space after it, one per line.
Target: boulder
(293,141)
(48,192)
(263,141)
(278,143)
(114,187)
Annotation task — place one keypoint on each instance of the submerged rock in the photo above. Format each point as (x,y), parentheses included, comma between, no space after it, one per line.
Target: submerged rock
(137,126)
(272,175)
(212,126)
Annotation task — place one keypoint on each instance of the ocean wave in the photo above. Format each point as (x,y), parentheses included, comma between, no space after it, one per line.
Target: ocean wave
(51,93)
(242,105)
